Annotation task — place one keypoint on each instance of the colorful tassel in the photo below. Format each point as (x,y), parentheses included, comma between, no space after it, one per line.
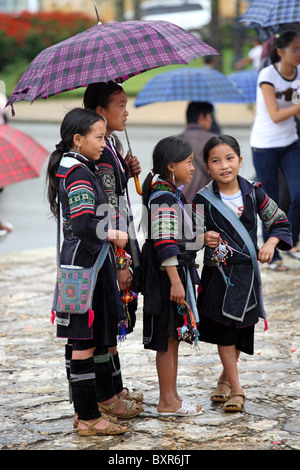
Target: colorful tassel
(188,332)
(123,259)
(126,297)
(266,325)
(91,317)
(53,315)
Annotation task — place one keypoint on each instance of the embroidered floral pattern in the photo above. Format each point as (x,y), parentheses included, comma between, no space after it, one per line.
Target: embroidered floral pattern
(270,213)
(81,198)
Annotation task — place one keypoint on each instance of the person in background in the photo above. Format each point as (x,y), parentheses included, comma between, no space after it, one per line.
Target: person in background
(199,116)
(274,139)
(3,101)
(5,228)
(210,62)
(254,57)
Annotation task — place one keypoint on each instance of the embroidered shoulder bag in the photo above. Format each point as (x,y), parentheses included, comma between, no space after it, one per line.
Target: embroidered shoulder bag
(75,285)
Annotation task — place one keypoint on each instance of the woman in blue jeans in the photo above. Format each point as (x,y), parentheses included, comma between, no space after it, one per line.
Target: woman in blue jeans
(274,139)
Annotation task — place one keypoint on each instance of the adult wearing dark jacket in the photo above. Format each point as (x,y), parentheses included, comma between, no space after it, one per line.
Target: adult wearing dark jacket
(199,118)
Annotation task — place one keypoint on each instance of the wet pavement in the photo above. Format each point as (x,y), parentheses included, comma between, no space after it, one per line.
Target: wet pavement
(35,413)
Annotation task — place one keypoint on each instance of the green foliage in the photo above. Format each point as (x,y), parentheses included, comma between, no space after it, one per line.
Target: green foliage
(23,36)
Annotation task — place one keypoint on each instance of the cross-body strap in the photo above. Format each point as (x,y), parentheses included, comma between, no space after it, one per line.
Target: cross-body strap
(104,250)
(237,224)
(190,297)
(102,254)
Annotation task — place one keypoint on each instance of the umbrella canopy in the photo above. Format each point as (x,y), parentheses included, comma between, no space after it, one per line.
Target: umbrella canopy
(112,51)
(192,84)
(21,157)
(246,81)
(266,16)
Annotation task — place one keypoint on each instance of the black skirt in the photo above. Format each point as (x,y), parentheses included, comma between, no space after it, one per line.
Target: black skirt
(214,332)
(213,326)
(158,326)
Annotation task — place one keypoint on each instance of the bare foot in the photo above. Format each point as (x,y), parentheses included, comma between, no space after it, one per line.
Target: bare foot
(170,407)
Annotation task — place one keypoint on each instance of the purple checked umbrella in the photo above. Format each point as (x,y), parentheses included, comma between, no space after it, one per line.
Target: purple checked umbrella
(112,51)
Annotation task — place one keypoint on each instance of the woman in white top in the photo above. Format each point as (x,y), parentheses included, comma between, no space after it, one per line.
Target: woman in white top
(274,140)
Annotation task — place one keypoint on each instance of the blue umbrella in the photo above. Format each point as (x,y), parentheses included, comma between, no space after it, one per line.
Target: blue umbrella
(246,81)
(192,84)
(266,16)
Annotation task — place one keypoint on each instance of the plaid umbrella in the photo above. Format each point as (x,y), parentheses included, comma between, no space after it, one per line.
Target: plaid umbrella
(246,81)
(266,16)
(21,157)
(192,84)
(112,51)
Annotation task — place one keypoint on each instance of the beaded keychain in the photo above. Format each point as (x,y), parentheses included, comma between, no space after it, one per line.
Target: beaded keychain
(221,252)
(188,332)
(219,256)
(126,297)
(123,259)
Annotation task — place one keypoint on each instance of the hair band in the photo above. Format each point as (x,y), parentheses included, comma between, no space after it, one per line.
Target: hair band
(61,147)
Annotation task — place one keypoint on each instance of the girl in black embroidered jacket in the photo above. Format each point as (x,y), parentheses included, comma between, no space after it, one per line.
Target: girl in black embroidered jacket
(110,100)
(168,264)
(229,300)
(73,184)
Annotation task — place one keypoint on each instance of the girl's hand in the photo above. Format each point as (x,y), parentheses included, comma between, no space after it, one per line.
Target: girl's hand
(177,292)
(118,238)
(124,279)
(211,239)
(266,253)
(133,165)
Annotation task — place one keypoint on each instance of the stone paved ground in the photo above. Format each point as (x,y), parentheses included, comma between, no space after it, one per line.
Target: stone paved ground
(34,410)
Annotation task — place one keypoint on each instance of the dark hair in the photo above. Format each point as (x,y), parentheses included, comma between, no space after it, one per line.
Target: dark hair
(218,140)
(210,59)
(198,107)
(76,121)
(167,150)
(281,41)
(99,94)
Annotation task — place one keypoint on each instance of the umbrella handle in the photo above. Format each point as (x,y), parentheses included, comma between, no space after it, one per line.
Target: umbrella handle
(136,178)
(137,185)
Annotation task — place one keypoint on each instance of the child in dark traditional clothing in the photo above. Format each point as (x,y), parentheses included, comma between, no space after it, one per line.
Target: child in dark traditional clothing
(72,183)
(110,101)
(229,300)
(169,274)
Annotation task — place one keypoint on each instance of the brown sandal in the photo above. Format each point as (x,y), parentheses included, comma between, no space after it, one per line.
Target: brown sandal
(110,430)
(220,396)
(132,409)
(112,419)
(133,396)
(235,405)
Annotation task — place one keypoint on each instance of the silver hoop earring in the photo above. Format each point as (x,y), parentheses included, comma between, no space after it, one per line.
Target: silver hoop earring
(78,149)
(173,177)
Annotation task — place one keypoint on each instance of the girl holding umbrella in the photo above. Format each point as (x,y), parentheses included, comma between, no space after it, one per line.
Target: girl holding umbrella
(109,100)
